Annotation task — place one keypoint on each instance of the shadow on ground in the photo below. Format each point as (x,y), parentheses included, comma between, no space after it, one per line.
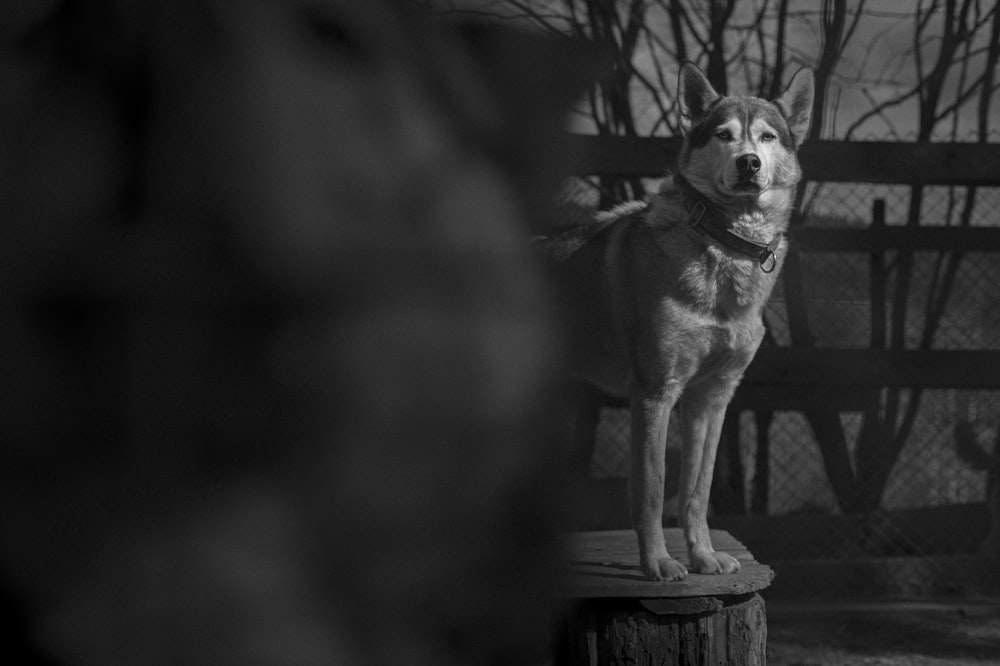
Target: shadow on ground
(886,633)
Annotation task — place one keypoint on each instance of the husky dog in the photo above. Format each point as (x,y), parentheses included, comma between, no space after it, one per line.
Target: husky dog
(666,296)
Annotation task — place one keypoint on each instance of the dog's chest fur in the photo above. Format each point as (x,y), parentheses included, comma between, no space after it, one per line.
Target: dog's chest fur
(710,281)
(707,305)
(720,286)
(700,304)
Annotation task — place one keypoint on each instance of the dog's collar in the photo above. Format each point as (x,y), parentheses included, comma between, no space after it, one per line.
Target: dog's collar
(699,217)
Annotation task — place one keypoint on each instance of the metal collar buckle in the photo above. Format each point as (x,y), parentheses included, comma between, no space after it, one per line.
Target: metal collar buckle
(767,261)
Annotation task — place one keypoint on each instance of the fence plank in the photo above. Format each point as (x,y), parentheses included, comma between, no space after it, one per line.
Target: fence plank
(755,395)
(826,161)
(602,155)
(809,367)
(877,239)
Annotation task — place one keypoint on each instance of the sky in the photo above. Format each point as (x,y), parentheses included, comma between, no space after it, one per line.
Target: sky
(877,64)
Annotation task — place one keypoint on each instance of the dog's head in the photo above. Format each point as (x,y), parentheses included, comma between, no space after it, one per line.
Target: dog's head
(737,147)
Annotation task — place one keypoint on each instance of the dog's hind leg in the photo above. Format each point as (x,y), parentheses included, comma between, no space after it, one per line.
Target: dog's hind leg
(650,415)
(702,410)
(586,415)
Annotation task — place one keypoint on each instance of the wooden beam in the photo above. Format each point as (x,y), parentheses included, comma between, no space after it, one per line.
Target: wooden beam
(802,378)
(823,161)
(602,155)
(758,396)
(808,367)
(877,239)
(902,163)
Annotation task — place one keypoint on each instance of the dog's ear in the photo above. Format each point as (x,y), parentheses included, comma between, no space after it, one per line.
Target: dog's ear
(694,92)
(796,104)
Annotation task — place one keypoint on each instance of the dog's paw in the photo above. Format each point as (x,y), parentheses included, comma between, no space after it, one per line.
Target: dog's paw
(664,568)
(713,562)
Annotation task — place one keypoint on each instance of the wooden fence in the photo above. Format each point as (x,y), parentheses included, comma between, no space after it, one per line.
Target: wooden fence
(834,375)
(825,161)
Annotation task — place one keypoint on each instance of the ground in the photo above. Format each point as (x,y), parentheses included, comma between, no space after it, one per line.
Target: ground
(950,632)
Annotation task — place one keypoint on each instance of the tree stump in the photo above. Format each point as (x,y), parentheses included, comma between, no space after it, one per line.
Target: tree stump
(615,616)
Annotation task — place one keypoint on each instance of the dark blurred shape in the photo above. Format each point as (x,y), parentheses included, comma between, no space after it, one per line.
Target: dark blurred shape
(275,361)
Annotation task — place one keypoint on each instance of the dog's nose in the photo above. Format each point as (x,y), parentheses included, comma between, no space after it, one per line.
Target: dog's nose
(748,164)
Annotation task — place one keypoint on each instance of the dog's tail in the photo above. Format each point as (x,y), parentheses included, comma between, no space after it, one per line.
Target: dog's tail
(563,244)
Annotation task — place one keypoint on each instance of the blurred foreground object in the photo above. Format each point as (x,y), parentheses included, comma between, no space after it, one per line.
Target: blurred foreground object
(275,361)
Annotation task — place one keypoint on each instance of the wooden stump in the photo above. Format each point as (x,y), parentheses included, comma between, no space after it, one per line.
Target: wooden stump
(615,616)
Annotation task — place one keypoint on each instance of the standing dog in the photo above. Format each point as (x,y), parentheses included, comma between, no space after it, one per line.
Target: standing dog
(667,295)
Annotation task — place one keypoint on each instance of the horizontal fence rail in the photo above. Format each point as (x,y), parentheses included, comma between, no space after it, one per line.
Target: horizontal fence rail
(844,368)
(827,161)
(880,239)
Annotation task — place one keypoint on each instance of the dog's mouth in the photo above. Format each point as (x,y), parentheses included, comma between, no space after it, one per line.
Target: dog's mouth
(747,187)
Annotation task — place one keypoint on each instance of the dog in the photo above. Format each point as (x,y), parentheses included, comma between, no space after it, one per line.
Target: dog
(664,297)
(979,458)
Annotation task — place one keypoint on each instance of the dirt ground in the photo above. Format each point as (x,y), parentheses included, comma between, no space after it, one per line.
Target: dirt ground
(963,632)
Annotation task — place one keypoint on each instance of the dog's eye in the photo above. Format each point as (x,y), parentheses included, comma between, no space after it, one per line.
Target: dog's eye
(767,136)
(724,135)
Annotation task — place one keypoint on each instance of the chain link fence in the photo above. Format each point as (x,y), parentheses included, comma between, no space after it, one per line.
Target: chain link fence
(933,502)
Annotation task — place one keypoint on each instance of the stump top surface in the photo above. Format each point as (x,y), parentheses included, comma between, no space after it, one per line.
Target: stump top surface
(606,564)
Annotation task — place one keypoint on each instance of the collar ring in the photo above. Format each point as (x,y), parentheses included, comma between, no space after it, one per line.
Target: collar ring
(767,261)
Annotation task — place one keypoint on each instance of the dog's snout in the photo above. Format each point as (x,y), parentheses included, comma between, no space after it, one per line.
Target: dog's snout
(748,164)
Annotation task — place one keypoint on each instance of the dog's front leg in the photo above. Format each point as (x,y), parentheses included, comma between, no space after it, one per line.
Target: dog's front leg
(650,415)
(702,412)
